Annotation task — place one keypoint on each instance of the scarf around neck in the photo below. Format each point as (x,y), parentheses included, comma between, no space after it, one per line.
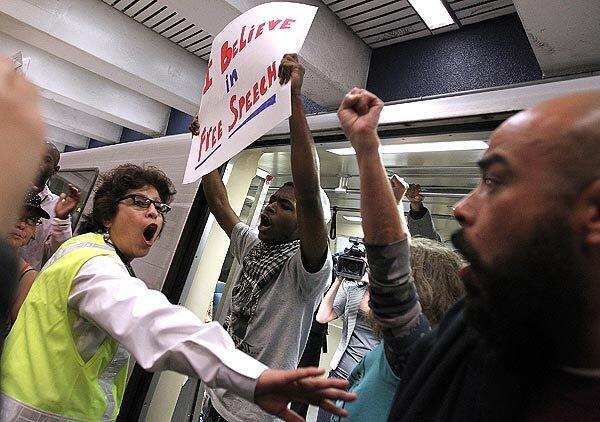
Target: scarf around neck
(260,267)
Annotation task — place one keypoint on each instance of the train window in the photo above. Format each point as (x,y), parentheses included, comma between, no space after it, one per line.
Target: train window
(82,179)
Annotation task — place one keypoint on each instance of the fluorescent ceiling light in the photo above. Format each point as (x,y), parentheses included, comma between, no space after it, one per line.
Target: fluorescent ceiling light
(351,218)
(433,13)
(420,147)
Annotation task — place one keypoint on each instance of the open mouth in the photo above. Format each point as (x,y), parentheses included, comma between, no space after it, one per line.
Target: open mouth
(150,231)
(265,222)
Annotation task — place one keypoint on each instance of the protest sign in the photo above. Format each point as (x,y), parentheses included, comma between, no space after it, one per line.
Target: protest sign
(242,98)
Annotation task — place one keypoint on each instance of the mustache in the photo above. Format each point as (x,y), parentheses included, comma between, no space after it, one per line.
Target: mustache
(466,249)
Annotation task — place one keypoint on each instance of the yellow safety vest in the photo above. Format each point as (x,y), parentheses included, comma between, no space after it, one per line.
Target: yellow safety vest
(41,367)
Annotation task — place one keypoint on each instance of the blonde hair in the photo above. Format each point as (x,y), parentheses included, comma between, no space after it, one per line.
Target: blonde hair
(435,272)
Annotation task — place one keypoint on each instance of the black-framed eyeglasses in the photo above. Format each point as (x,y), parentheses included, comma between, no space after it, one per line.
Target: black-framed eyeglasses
(144,202)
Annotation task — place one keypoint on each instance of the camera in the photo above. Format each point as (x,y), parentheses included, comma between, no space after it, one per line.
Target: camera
(352,263)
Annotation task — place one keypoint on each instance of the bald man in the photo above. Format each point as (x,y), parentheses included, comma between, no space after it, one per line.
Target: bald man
(51,233)
(524,344)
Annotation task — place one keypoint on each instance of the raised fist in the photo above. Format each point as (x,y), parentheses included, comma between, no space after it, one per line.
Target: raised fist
(291,69)
(359,117)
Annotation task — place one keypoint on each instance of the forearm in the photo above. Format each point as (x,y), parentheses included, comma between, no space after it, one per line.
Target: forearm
(305,174)
(305,162)
(394,300)
(218,201)
(214,189)
(326,312)
(381,221)
(159,335)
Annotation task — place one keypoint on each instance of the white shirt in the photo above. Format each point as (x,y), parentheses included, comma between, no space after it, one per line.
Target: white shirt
(49,235)
(159,335)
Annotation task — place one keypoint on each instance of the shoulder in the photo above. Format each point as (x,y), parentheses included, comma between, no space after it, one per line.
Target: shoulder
(242,231)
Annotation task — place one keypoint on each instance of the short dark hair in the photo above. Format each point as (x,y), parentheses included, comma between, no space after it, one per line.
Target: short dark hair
(115,184)
(290,184)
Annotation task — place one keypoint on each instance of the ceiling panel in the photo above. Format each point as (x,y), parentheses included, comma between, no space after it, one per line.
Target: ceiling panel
(382,22)
(166,21)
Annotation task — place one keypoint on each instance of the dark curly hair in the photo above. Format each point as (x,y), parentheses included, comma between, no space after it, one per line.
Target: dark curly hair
(115,184)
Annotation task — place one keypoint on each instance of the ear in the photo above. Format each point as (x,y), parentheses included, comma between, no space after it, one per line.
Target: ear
(591,215)
(56,169)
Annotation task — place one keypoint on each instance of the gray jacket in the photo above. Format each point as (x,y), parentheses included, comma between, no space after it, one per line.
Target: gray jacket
(421,224)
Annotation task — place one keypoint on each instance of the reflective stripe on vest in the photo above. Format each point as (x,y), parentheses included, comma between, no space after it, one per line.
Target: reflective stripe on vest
(41,367)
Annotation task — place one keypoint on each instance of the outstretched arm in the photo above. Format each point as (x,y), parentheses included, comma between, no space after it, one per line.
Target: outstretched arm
(393,296)
(218,202)
(359,116)
(305,173)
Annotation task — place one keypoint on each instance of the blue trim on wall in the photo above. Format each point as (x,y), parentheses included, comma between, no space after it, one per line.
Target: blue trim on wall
(487,54)
(130,135)
(96,144)
(69,148)
(179,122)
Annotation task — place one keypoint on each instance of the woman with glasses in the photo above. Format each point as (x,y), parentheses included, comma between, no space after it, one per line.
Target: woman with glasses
(20,235)
(67,355)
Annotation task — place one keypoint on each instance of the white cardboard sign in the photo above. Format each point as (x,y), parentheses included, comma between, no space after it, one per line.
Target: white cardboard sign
(242,98)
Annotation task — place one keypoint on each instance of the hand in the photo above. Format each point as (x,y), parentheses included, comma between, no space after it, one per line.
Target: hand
(195,127)
(276,388)
(67,203)
(21,140)
(399,186)
(291,69)
(359,116)
(414,193)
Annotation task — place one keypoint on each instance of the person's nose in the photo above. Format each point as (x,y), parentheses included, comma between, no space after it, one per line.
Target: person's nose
(21,224)
(152,212)
(271,208)
(465,211)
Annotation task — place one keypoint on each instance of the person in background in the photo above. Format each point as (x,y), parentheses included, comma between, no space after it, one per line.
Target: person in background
(21,144)
(286,268)
(349,299)
(420,222)
(56,229)
(21,234)
(68,352)
(435,272)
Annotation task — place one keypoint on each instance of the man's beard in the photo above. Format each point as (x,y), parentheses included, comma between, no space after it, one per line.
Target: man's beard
(530,305)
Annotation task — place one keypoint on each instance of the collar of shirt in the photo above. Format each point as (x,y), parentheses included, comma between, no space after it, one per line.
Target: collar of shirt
(45,193)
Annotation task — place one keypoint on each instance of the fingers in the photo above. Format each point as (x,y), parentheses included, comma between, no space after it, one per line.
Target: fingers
(313,383)
(73,191)
(301,373)
(334,394)
(288,64)
(330,407)
(349,100)
(362,101)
